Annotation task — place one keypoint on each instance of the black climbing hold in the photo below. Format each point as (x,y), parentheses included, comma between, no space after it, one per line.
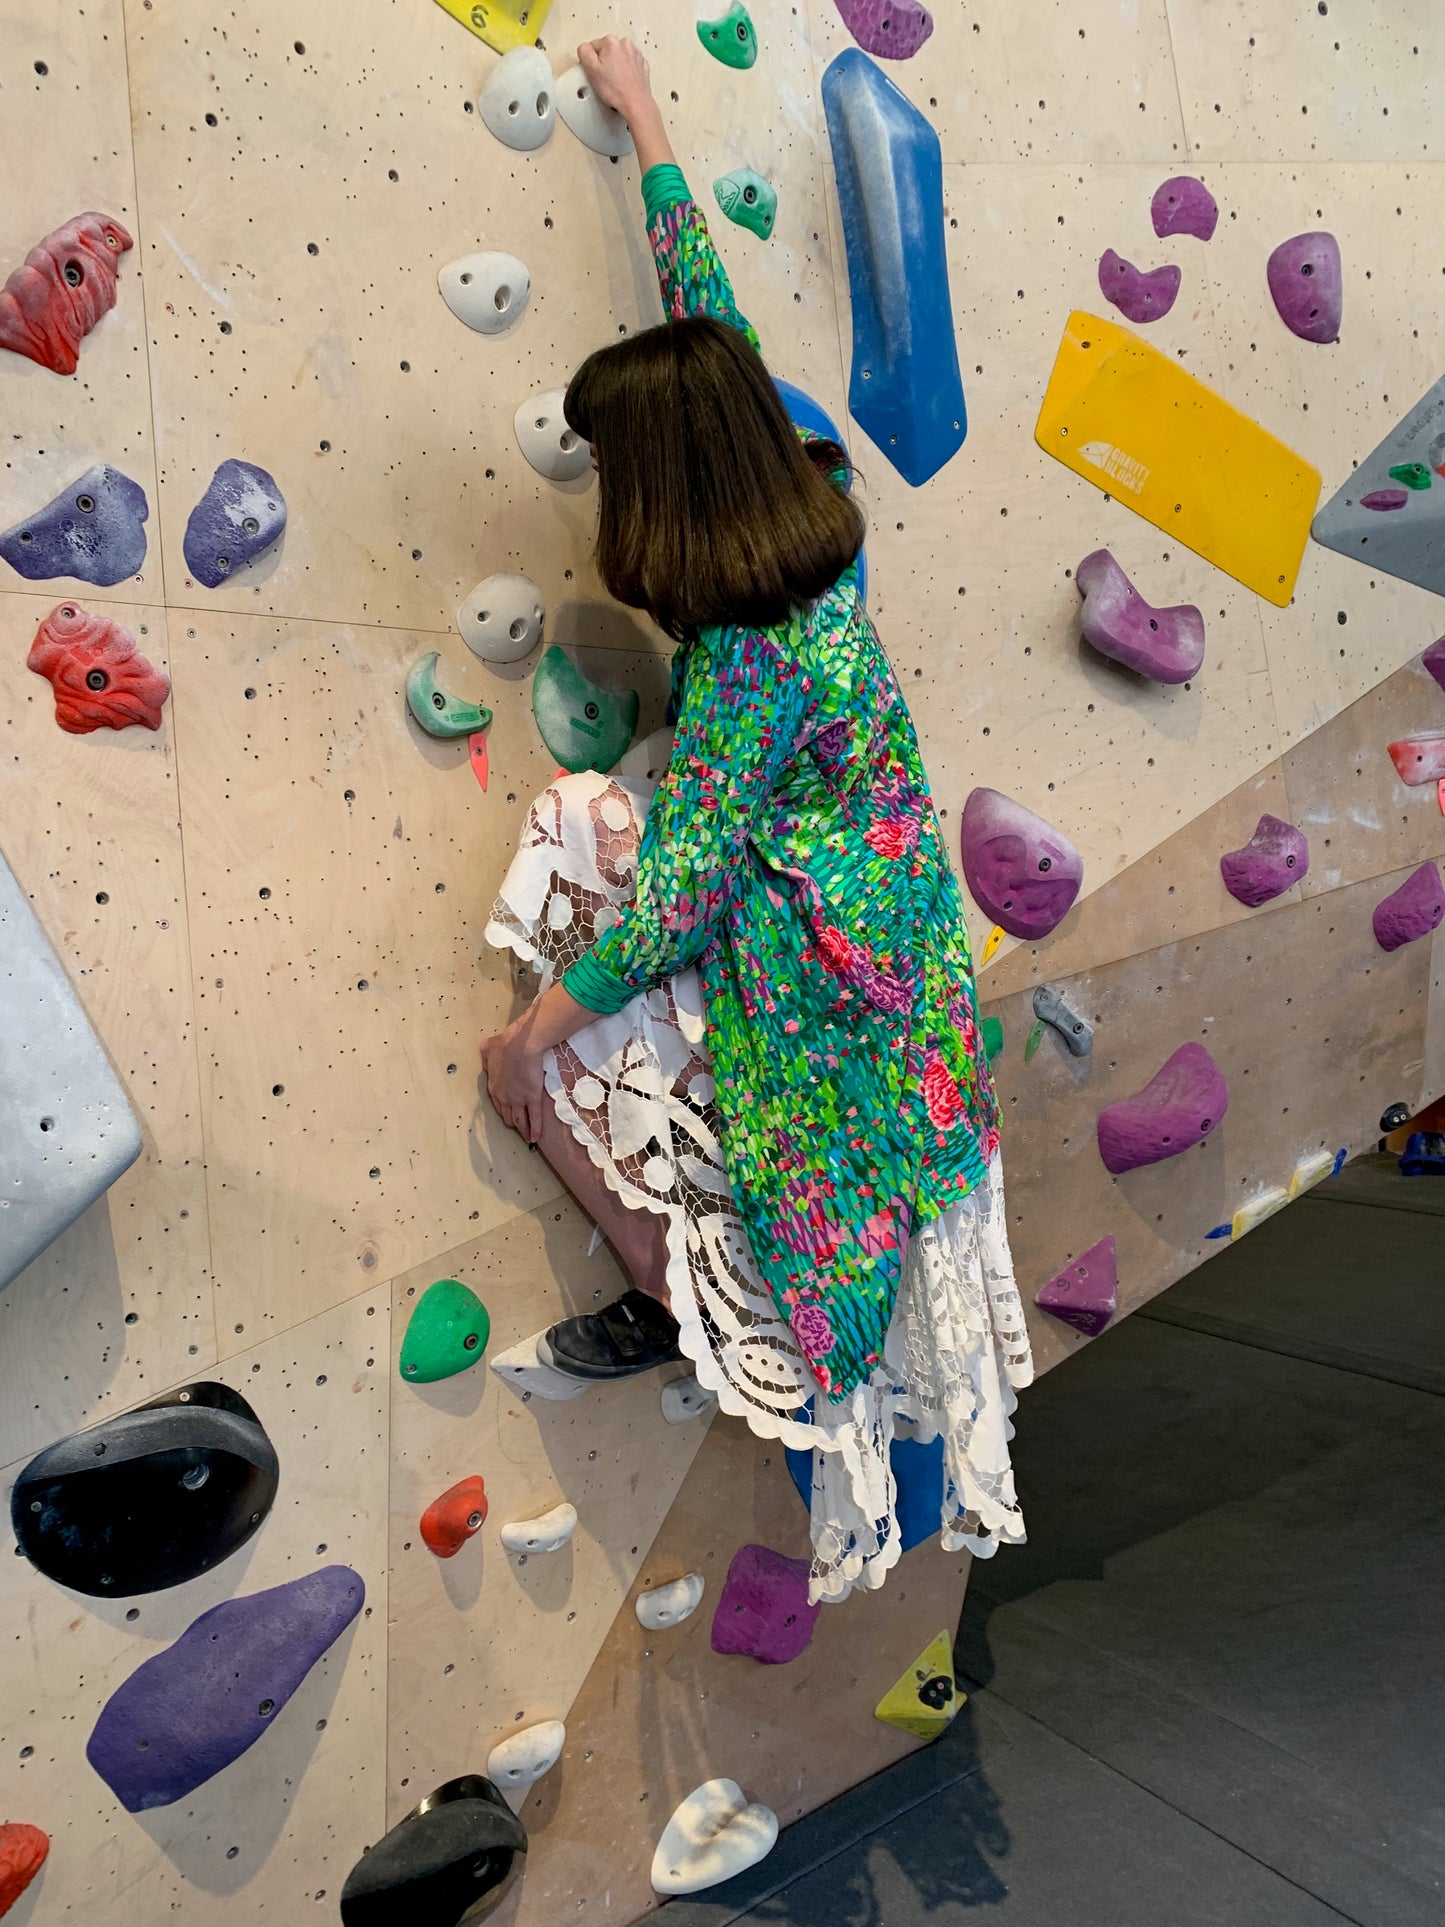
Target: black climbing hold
(450,1860)
(149,1499)
(1395,1118)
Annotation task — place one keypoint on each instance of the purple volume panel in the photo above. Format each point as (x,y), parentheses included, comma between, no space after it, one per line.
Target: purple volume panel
(1182,205)
(1085,1294)
(764,1610)
(1020,871)
(1177,1108)
(1307,282)
(1412,911)
(189,1711)
(1166,645)
(1434,660)
(888,29)
(1276,856)
(1140,294)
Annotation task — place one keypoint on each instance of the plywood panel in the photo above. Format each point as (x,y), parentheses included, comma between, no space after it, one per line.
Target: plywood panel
(120,1303)
(279,1828)
(492,1641)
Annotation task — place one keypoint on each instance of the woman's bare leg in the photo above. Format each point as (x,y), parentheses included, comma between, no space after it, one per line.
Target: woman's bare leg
(636,1237)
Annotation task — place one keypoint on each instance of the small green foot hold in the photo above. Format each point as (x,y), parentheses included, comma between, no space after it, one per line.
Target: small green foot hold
(730,38)
(584,726)
(1036,1037)
(992,1032)
(747,199)
(438,713)
(1412,474)
(447,1333)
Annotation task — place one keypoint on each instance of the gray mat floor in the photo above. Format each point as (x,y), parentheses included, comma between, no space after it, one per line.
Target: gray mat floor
(1210,1691)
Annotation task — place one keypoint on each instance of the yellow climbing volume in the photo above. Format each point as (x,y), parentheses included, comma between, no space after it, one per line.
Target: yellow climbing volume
(925,1699)
(503,24)
(1131,421)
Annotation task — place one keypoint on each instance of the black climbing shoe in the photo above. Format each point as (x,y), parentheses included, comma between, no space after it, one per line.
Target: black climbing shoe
(632,1334)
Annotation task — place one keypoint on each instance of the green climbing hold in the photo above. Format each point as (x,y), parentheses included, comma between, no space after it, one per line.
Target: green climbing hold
(992,1029)
(730,38)
(1036,1037)
(1412,474)
(447,1333)
(584,726)
(438,713)
(747,199)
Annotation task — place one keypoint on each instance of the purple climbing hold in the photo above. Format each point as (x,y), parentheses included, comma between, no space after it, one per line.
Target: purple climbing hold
(94,530)
(241,513)
(1164,644)
(189,1711)
(1085,1294)
(1412,911)
(1434,660)
(1382,500)
(764,1610)
(1306,279)
(1276,856)
(891,29)
(1018,868)
(1140,294)
(1177,1108)
(1183,205)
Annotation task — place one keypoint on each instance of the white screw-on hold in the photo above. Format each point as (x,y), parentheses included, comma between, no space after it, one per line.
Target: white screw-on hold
(515,1762)
(670,1605)
(715,1834)
(519,101)
(488,290)
(545,1534)
(596,126)
(501,620)
(683,1398)
(521,1368)
(553,449)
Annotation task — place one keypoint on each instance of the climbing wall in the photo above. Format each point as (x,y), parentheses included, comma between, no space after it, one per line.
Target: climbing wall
(272,905)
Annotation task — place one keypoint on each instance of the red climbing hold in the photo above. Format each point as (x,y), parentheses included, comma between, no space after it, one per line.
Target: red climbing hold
(100,678)
(63,287)
(450,1521)
(22,1854)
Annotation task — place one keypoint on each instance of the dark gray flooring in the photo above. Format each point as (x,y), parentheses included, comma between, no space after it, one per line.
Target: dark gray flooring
(1210,1691)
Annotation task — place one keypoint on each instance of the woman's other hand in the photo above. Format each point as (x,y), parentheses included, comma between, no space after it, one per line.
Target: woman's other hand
(617,73)
(515,1081)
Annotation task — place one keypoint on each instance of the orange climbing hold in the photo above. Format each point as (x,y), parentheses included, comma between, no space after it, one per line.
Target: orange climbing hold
(22,1854)
(450,1521)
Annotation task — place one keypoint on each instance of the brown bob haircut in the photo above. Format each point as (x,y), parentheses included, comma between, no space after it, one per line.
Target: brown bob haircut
(712,511)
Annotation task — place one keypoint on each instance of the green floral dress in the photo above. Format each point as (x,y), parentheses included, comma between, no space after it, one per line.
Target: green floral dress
(793,854)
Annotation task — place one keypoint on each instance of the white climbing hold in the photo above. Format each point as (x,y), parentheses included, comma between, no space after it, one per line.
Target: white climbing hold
(515,1762)
(549,1533)
(648,758)
(713,1835)
(598,127)
(553,449)
(519,101)
(488,291)
(683,1398)
(670,1605)
(501,620)
(521,1367)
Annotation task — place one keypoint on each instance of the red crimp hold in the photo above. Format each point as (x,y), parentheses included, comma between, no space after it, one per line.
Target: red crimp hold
(100,678)
(450,1521)
(22,1854)
(63,287)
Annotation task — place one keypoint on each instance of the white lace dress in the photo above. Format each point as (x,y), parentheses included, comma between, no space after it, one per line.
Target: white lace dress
(636,1089)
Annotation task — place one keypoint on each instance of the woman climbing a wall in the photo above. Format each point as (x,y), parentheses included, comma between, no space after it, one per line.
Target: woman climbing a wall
(755,1058)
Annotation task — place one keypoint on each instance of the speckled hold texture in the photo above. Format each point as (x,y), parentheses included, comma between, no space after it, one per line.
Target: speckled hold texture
(1420,759)
(1177,1108)
(763,1610)
(241,514)
(1276,856)
(1434,661)
(1140,294)
(186,1713)
(889,29)
(1183,205)
(1085,1294)
(1167,645)
(446,1334)
(100,678)
(61,289)
(93,530)
(22,1854)
(1306,281)
(1020,871)
(451,1520)
(1412,911)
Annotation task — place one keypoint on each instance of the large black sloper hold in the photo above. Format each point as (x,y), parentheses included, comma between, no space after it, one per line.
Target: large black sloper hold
(149,1499)
(452,1859)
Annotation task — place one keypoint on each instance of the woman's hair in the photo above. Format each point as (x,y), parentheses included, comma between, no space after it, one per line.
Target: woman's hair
(712,510)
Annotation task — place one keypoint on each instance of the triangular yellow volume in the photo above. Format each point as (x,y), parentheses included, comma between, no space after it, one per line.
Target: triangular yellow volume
(503,24)
(925,1699)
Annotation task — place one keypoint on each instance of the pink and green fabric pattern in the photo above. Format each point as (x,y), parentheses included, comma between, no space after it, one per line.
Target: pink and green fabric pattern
(793,854)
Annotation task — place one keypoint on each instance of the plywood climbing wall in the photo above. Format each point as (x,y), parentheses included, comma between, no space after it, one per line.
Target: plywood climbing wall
(273,906)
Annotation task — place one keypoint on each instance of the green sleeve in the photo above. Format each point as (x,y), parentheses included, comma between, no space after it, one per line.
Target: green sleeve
(689,270)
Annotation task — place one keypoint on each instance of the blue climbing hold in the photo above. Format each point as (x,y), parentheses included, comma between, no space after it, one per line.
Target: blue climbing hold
(917,1473)
(93,530)
(812,415)
(240,514)
(905,388)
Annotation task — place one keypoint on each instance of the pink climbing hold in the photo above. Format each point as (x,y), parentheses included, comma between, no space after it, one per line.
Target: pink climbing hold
(1020,871)
(1412,911)
(1177,1108)
(1182,205)
(764,1610)
(451,1520)
(1383,500)
(1140,294)
(1434,660)
(1164,644)
(1085,1294)
(1420,759)
(61,289)
(890,29)
(1306,279)
(1276,856)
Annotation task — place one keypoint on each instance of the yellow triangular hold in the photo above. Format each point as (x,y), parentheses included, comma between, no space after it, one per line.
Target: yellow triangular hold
(925,1699)
(503,24)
